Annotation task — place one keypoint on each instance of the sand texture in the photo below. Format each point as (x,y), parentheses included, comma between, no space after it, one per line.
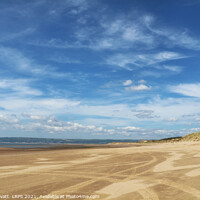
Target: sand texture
(148,172)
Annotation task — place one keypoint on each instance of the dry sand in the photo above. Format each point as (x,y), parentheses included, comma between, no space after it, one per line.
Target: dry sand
(150,172)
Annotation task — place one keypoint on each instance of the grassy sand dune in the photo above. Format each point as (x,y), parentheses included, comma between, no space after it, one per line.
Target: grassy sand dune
(192,137)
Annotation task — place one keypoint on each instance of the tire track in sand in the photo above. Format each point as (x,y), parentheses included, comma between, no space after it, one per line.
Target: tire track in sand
(148,194)
(107,177)
(185,188)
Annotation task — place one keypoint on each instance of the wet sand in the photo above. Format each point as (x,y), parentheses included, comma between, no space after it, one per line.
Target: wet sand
(130,172)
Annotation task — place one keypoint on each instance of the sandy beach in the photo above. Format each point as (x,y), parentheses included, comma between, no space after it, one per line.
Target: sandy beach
(149,171)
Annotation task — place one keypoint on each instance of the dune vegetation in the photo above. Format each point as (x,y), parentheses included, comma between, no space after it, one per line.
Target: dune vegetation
(192,137)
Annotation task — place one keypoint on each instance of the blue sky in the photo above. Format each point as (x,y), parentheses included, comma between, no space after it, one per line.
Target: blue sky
(99,68)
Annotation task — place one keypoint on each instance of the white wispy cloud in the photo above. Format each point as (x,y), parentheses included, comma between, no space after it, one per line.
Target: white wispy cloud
(167,55)
(13,104)
(34,117)
(172,119)
(8,119)
(159,70)
(172,68)
(117,32)
(18,61)
(141,81)
(16,35)
(140,87)
(109,33)
(127,82)
(192,89)
(132,31)
(174,37)
(172,107)
(197,118)
(79,5)
(63,59)
(123,32)
(140,60)
(19,87)
(130,128)
(15,60)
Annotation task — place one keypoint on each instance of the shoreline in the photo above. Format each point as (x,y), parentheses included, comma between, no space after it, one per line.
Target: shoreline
(70,146)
